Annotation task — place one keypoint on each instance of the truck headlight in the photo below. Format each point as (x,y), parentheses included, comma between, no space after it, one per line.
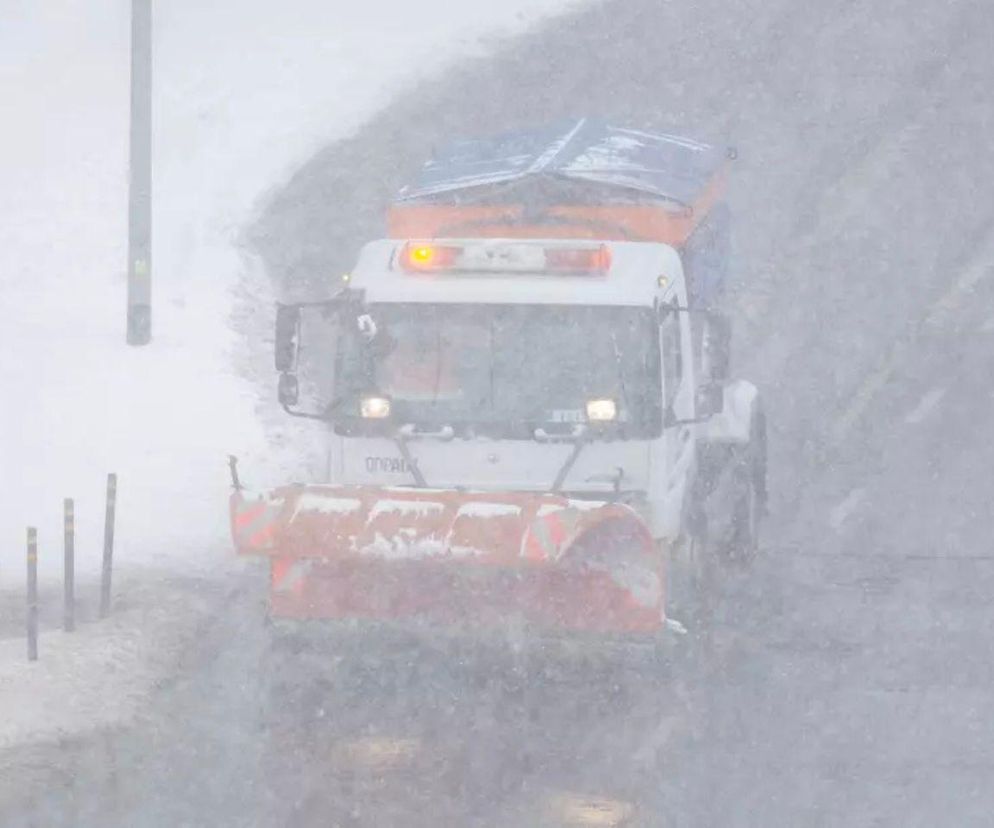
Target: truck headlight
(601,411)
(374,408)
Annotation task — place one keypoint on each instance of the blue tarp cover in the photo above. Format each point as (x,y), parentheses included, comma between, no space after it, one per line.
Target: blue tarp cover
(665,166)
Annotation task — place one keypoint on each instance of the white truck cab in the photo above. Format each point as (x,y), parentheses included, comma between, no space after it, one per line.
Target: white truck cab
(545,365)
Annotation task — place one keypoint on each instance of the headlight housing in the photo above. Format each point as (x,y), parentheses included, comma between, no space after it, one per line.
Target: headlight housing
(602,411)
(374,407)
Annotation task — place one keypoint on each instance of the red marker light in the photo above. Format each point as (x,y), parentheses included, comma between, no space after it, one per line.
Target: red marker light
(578,259)
(420,256)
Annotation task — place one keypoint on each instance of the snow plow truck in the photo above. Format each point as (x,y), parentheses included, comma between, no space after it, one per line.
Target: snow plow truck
(525,394)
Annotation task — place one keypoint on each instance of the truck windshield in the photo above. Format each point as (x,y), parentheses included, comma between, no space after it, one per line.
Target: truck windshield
(502,370)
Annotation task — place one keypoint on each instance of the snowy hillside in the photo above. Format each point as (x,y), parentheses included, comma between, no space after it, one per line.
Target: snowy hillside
(242,95)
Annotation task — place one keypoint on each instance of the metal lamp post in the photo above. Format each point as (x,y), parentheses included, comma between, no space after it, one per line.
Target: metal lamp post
(140,180)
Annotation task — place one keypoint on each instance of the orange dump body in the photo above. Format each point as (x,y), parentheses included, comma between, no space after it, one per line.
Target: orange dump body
(453,557)
(657,221)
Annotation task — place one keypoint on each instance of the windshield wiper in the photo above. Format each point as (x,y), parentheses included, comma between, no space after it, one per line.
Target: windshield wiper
(621,370)
(578,436)
(412,465)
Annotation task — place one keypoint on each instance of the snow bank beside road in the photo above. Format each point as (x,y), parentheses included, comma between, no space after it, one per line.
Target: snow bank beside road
(103,674)
(243,93)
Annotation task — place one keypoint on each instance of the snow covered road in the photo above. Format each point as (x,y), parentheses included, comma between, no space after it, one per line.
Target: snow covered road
(849,680)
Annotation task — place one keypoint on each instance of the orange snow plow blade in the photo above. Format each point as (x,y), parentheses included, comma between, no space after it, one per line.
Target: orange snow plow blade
(454,557)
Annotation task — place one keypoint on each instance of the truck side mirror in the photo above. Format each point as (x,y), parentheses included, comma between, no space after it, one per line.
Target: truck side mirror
(288,390)
(709,400)
(290,327)
(718,347)
(287,339)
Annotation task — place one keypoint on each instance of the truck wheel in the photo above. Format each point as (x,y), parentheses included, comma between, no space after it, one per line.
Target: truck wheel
(690,575)
(746,520)
(750,505)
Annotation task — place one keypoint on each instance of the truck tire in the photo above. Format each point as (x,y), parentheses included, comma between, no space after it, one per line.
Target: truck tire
(690,576)
(751,501)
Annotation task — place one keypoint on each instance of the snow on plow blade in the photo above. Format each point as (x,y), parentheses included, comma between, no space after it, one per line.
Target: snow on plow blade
(453,557)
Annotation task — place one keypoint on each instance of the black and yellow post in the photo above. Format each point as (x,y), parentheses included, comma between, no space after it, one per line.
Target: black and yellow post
(69,574)
(32,614)
(105,572)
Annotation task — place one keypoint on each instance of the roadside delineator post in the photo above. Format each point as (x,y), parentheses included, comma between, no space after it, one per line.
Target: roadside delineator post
(105,573)
(69,573)
(32,614)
